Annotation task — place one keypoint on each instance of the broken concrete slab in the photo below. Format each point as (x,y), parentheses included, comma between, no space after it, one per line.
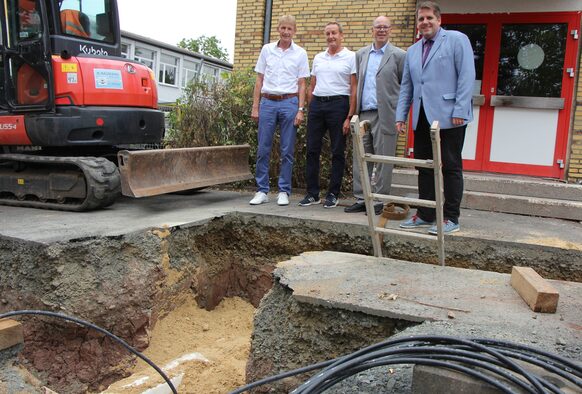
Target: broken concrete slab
(423,292)
(327,304)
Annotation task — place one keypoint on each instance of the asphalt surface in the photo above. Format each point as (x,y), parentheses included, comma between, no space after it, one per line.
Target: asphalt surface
(132,215)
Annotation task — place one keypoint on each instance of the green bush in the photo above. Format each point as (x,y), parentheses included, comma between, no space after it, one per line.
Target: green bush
(211,114)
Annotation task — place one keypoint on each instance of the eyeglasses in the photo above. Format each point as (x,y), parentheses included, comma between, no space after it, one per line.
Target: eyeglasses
(382,27)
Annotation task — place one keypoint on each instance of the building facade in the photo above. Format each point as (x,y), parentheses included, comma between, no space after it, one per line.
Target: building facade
(528,91)
(174,67)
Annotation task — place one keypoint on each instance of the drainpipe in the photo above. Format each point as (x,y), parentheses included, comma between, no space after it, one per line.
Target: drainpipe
(267,21)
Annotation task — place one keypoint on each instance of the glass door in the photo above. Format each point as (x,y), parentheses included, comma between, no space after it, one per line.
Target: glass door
(523,92)
(529,95)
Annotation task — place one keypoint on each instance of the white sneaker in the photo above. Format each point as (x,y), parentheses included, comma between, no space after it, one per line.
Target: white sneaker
(259,198)
(283,199)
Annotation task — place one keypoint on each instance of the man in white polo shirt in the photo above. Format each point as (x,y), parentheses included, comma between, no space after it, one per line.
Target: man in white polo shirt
(332,102)
(278,98)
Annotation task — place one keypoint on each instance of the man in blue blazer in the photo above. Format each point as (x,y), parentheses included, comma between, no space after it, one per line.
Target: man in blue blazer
(438,79)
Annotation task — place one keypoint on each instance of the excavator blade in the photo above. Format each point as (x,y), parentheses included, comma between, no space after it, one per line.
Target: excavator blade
(152,172)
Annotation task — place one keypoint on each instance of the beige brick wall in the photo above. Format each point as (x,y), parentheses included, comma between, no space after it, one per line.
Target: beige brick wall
(575,162)
(356,17)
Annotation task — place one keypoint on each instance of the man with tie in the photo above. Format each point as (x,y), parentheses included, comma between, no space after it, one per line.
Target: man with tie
(439,74)
(379,70)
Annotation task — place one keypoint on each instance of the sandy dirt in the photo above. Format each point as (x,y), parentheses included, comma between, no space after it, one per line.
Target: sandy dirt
(210,348)
(555,242)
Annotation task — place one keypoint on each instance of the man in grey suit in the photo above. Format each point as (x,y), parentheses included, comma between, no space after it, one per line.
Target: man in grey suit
(379,70)
(438,80)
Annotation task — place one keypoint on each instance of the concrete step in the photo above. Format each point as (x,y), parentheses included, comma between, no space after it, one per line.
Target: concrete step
(520,195)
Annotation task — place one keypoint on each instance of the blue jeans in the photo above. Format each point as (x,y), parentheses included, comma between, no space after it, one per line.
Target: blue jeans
(326,116)
(272,112)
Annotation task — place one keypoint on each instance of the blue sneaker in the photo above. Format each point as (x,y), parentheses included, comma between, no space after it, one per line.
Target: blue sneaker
(448,228)
(331,201)
(415,222)
(309,200)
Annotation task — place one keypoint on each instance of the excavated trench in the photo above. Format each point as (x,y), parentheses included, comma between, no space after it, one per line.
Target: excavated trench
(125,284)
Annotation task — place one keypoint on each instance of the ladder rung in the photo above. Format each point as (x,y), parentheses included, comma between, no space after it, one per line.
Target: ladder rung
(404,200)
(402,161)
(405,233)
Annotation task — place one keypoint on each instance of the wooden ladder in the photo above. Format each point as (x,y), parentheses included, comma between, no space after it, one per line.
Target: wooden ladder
(358,130)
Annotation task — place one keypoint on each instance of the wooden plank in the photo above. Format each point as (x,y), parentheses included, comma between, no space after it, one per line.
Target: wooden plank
(535,290)
(404,200)
(404,233)
(400,161)
(10,333)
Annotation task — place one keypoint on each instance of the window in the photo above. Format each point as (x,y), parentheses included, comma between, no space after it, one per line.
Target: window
(531,61)
(145,56)
(210,74)
(87,19)
(168,69)
(190,72)
(29,20)
(476,34)
(125,51)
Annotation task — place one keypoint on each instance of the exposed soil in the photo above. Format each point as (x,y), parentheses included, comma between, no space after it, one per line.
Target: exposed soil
(126,284)
(220,339)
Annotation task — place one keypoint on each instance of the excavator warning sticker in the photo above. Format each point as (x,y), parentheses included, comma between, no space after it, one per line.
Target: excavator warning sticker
(108,79)
(69,67)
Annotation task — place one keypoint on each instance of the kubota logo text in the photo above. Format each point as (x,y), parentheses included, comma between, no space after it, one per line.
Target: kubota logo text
(90,50)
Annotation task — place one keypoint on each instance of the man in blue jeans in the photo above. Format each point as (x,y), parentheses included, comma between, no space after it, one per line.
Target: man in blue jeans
(278,98)
(332,102)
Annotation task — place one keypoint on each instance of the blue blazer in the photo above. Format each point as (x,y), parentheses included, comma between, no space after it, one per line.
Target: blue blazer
(444,84)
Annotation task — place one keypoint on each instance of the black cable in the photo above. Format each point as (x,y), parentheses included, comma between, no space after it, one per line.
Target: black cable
(282,375)
(314,381)
(577,368)
(445,353)
(96,328)
(315,389)
(483,359)
(443,362)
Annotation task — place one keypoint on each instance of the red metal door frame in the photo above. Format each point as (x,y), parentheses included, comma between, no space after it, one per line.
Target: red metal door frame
(494,23)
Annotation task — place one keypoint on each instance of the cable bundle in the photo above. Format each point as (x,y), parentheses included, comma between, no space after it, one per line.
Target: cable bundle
(502,364)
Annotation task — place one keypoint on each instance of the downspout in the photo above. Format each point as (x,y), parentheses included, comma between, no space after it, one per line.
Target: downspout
(267,21)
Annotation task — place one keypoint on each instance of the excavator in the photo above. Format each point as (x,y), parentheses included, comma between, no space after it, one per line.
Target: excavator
(78,121)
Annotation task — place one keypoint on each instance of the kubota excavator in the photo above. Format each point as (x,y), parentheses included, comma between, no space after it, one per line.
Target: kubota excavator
(71,107)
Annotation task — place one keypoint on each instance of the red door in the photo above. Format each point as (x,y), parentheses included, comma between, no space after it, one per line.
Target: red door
(523,94)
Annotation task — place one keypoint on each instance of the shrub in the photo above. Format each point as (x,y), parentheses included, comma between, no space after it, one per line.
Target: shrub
(219,114)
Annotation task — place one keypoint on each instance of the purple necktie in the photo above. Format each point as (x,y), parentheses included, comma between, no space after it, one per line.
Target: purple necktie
(426,50)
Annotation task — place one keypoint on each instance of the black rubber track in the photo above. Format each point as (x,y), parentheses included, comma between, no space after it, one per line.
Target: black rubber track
(101,177)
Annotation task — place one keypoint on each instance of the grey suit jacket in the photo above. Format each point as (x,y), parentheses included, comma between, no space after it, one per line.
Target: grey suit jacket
(388,81)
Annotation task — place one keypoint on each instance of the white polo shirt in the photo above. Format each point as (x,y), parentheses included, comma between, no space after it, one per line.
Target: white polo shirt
(333,72)
(282,68)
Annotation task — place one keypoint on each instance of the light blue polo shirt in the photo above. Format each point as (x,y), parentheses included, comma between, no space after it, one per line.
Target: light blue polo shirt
(369,100)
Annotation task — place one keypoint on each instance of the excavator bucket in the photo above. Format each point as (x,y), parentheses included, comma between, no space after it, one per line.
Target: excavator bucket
(152,172)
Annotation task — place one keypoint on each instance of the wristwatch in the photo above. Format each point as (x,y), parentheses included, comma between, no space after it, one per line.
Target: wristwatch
(302,109)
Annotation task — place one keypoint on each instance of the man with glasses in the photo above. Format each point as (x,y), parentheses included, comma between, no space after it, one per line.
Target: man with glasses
(379,71)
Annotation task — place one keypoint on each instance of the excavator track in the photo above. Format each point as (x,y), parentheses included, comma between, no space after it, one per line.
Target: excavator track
(59,183)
